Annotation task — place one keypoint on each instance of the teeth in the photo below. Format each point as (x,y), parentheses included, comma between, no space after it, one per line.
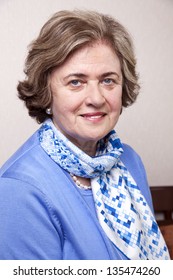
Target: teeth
(95,117)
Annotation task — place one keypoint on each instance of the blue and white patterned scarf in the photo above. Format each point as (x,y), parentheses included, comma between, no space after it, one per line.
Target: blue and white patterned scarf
(121,208)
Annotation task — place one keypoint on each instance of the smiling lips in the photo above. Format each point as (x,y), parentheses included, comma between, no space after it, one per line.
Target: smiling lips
(94,116)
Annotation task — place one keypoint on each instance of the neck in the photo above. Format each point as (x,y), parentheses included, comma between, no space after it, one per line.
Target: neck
(88,148)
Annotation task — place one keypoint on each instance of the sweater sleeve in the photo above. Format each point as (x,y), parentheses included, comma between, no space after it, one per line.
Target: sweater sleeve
(28,228)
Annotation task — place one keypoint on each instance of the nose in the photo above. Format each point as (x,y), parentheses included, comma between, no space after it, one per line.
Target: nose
(94,95)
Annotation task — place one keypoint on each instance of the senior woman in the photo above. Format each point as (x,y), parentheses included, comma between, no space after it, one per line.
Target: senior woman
(73,190)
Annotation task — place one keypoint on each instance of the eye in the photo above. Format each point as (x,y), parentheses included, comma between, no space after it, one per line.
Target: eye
(108,81)
(75,83)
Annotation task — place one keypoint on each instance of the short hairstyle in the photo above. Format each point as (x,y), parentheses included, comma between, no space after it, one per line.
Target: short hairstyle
(64,33)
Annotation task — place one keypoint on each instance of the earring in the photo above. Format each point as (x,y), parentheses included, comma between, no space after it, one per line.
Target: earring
(49,111)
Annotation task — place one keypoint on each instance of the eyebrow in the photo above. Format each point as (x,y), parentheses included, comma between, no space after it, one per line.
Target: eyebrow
(81,75)
(109,74)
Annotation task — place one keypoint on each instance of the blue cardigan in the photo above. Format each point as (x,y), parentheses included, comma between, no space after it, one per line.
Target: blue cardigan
(43,214)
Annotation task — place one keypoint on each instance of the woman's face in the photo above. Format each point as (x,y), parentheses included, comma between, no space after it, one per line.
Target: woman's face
(87,95)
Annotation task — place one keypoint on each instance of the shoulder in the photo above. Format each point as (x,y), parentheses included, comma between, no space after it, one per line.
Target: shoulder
(17,181)
(129,151)
(30,168)
(25,167)
(27,162)
(27,148)
(132,159)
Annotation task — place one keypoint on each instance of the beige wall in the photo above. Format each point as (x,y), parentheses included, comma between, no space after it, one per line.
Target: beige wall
(148,125)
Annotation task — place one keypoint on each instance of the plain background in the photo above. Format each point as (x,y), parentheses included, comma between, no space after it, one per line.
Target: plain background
(148,125)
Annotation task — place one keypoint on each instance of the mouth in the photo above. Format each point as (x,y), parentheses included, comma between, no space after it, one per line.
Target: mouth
(94,116)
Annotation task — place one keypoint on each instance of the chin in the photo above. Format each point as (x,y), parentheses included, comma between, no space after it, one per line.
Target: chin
(95,137)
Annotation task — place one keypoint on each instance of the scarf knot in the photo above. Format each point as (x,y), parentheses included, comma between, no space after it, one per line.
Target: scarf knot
(73,160)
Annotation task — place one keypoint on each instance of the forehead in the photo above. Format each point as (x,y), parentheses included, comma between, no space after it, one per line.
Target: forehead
(92,57)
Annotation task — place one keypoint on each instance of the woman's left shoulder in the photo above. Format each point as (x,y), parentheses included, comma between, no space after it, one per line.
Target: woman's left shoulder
(129,154)
(132,160)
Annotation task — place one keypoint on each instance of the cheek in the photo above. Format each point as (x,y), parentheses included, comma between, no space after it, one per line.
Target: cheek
(115,103)
(63,109)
